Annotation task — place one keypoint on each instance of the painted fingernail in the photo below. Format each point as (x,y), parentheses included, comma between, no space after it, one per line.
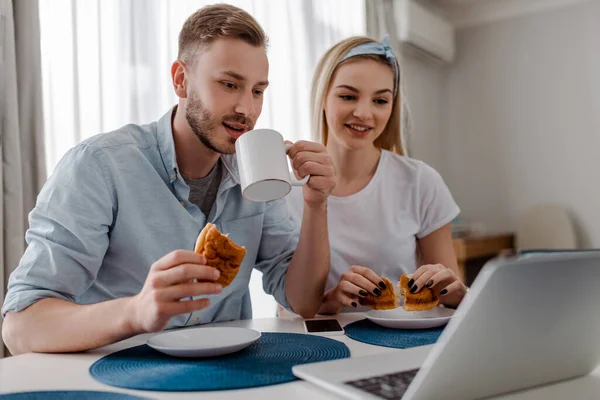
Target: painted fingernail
(444,291)
(363,293)
(377,292)
(410,283)
(414,289)
(382,285)
(354,304)
(429,283)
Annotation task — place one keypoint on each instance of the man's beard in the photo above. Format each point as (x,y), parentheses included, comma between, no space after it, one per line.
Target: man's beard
(204,125)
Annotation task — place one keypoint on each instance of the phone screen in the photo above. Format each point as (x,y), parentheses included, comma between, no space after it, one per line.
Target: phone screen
(322,325)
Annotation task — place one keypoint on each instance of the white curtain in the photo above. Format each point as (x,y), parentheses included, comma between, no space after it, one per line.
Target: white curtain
(380,22)
(22,170)
(106,63)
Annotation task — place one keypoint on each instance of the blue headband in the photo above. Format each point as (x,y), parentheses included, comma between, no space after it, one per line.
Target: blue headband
(381,49)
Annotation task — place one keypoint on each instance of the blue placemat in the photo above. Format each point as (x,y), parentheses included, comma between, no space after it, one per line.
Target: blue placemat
(369,332)
(68,395)
(268,361)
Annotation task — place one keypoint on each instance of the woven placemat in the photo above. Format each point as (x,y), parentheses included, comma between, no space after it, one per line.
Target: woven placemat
(68,395)
(369,332)
(268,361)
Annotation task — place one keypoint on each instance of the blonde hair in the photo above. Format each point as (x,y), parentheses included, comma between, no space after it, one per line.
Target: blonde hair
(214,22)
(391,137)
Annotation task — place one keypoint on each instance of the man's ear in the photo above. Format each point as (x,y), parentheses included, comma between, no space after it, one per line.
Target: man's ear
(179,78)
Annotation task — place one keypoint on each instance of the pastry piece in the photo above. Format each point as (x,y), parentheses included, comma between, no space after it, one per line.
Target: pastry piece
(386,301)
(220,253)
(424,300)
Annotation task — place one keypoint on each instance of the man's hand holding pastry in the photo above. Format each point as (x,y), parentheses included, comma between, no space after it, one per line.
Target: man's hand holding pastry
(171,279)
(212,265)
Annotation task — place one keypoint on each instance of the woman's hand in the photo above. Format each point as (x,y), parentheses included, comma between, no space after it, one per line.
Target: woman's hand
(357,282)
(442,280)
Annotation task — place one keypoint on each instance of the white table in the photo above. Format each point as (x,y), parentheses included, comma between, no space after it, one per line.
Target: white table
(31,372)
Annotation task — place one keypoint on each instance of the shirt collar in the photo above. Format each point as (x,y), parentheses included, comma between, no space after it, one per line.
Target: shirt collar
(166,146)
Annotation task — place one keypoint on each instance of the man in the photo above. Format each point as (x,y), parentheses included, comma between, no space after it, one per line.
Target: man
(104,260)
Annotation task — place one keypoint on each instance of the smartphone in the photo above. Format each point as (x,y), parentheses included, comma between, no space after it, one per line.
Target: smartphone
(323,327)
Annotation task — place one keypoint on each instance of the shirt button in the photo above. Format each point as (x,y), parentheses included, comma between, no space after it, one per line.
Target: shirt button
(182,203)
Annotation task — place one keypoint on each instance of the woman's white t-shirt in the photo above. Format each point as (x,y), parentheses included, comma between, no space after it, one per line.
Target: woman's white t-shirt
(378,227)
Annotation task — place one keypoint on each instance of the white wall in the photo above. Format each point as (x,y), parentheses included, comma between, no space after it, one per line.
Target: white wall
(424,88)
(521,118)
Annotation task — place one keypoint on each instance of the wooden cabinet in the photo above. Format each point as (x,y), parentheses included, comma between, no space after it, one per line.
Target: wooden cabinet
(472,252)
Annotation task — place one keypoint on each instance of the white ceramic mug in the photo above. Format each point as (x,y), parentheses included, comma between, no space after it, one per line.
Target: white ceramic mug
(262,163)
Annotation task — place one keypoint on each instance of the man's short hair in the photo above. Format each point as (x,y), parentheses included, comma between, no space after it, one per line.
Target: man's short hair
(215,22)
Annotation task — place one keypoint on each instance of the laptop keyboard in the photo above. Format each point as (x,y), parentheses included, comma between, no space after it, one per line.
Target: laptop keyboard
(390,386)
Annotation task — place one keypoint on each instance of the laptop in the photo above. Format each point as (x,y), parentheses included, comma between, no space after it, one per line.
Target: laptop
(526,321)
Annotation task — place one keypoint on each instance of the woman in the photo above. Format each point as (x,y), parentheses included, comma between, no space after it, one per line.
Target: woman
(389,214)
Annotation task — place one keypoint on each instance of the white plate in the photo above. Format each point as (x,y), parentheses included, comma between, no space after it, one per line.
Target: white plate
(203,342)
(400,319)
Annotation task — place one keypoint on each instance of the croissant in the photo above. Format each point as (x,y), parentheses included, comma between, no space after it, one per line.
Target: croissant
(424,300)
(220,253)
(386,301)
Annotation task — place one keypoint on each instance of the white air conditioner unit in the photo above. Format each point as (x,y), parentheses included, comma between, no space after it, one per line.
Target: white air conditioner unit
(422,32)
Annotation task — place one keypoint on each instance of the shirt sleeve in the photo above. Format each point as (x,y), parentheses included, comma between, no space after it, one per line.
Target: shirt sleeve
(68,233)
(295,201)
(277,246)
(436,204)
